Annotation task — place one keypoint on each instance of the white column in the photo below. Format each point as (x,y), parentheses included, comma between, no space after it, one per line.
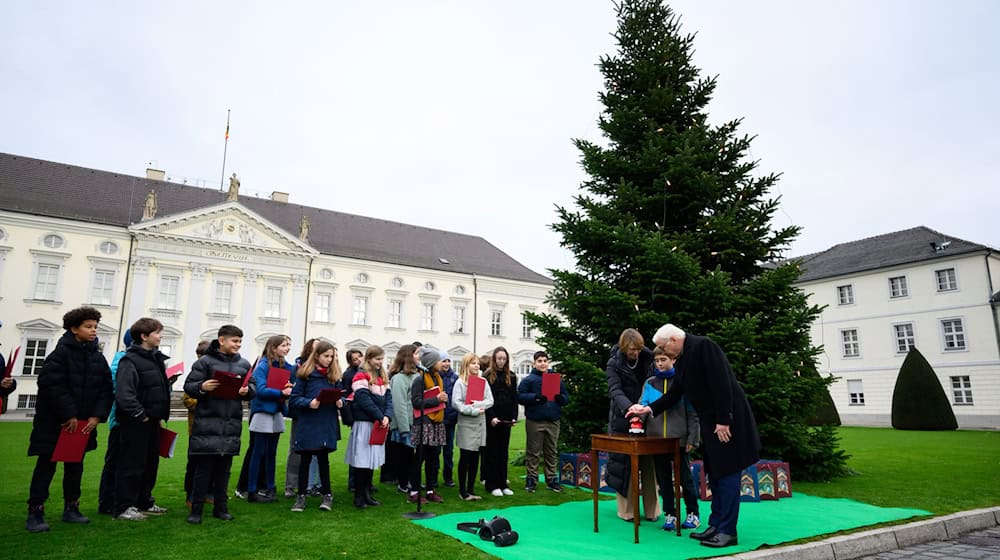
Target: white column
(297,328)
(140,285)
(248,313)
(195,314)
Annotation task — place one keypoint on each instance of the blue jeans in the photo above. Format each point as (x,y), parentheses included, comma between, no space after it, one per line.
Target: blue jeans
(262,457)
(448,463)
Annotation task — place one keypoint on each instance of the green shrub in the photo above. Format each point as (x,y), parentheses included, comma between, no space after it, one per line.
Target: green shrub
(918,401)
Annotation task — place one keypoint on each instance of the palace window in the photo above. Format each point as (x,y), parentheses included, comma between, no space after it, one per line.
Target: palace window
(946,280)
(954,334)
(34,356)
(904,337)
(850,344)
(961,389)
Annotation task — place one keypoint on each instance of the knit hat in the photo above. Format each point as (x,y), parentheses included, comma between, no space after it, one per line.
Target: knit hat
(429,358)
(444,356)
(127,339)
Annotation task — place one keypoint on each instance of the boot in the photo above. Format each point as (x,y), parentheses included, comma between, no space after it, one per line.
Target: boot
(36,519)
(71,513)
(222,513)
(196,511)
(369,489)
(359,496)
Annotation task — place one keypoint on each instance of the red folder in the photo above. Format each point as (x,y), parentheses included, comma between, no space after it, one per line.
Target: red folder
(378,434)
(329,396)
(550,385)
(277,378)
(10,362)
(168,438)
(476,390)
(175,370)
(431,393)
(71,446)
(229,385)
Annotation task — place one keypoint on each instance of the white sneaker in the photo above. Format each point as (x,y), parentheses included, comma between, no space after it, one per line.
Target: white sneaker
(131,514)
(498,493)
(507,492)
(154,510)
(692,522)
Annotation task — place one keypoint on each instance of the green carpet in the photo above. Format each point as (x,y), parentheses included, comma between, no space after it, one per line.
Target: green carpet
(566,531)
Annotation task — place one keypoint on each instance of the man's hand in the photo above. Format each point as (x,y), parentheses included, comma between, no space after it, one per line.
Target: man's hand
(723,433)
(70,425)
(92,423)
(494,422)
(210,385)
(637,410)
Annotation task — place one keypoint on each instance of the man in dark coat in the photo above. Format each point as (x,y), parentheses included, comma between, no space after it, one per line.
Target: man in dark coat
(74,393)
(729,432)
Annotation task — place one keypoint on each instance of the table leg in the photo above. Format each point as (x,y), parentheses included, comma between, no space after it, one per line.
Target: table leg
(677,486)
(636,514)
(594,482)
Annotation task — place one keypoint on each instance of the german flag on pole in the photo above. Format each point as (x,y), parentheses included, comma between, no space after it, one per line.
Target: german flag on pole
(227,131)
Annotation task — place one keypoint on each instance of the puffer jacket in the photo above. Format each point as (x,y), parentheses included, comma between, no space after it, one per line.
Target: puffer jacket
(75,383)
(142,390)
(317,428)
(529,394)
(218,423)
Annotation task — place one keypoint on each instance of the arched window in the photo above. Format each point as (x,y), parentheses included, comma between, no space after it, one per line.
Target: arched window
(53,241)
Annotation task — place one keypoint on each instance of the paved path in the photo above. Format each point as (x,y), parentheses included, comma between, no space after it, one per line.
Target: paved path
(978,544)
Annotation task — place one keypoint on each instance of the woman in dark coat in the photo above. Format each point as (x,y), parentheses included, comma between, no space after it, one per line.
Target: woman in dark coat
(729,435)
(74,393)
(630,365)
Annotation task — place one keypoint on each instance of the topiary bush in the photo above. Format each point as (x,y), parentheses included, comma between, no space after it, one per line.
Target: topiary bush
(918,400)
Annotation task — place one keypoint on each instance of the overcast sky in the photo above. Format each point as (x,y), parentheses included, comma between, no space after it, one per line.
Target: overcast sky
(882,115)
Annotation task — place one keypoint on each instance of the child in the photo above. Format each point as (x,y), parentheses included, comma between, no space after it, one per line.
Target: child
(681,421)
(218,422)
(427,430)
(470,433)
(74,393)
(317,426)
(450,421)
(499,421)
(372,404)
(401,376)
(106,490)
(541,424)
(292,463)
(267,418)
(189,404)
(142,399)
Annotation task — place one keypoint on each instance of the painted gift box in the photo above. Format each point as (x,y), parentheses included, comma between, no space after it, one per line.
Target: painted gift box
(765,482)
(749,491)
(567,468)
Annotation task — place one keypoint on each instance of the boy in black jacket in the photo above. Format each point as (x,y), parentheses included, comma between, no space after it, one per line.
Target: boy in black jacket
(143,402)
(541,424)
(74,393)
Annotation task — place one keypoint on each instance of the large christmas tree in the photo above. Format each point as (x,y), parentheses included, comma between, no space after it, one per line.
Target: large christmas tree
(673,226)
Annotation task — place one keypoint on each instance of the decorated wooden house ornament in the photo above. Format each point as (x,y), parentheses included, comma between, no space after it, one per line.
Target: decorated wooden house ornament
(783,480)
(765,481)
(748,485)
(567,468)
(584,470)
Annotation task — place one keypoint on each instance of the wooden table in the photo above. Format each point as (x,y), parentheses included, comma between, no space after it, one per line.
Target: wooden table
(635,447)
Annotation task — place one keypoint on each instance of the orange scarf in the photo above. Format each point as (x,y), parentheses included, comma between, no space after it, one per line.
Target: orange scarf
(430,382)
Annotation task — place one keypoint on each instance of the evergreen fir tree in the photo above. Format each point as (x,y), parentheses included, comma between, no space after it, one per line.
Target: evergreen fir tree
(918,400)
(673,226)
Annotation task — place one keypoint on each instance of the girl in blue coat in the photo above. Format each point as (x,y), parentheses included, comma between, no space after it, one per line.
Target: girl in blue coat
(267,417)
(317,425)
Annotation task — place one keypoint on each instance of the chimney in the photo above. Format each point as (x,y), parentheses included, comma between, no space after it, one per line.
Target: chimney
(155,174)
(279,196)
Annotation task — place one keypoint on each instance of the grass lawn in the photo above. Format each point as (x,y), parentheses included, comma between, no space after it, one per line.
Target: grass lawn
(942,472)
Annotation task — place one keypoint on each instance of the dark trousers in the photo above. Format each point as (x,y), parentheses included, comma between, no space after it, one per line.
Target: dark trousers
(211,471)
(388,472)
(497,456)
(402,455)
(725,503)
(41,478)
(664,478)
(468,464)
(428,456)
(241,482)
(323,459)
(106,492)
(262,461)
(138,463)
(448,454)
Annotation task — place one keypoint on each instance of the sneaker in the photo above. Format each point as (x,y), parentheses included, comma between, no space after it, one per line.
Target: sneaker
(669,523)
(554,486)
(300,503)
(497,492)
(315,492)
(529,484)
(449,483)
(154,510)
(290,492)
(692,521)
(36,520)
(507,492)
(433,496)
(259,498)
(241,494)
(474,498)
(414,496)
(327,504)
(71,513)
(402,489)
(131,514)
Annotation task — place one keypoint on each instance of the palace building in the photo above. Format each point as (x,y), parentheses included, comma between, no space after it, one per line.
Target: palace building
(198,258)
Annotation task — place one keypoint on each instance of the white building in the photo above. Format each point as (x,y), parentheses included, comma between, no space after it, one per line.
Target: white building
(72,236)
(886,294)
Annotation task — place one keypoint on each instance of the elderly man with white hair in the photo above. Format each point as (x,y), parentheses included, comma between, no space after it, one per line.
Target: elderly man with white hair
(728,429)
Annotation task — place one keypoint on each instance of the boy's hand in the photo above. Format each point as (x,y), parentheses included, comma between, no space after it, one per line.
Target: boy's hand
(92,423)
(540,398)
(210,385)
(243,391)
(340,403)
(286,391)
(314,404)
(70,425)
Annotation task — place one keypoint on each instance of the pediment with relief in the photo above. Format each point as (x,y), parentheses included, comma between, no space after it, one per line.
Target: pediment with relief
(229,223)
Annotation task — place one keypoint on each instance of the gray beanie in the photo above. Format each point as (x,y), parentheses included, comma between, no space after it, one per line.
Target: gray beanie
(429,358)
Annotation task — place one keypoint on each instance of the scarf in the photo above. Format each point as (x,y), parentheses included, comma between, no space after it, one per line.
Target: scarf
(430,380)
(669,374)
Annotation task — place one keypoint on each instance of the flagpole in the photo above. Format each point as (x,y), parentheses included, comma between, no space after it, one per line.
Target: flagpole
(224,150)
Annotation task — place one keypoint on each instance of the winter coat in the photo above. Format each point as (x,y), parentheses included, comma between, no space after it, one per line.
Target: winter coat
(625,386)
(218,423)
(141,388)
(372,401)
(268,400)
(314,428)
(450,414)
(420,384)
(504,399)
(75,383)
(402,407)
(681,421)
(706,378)
(536,406)
(470,429)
